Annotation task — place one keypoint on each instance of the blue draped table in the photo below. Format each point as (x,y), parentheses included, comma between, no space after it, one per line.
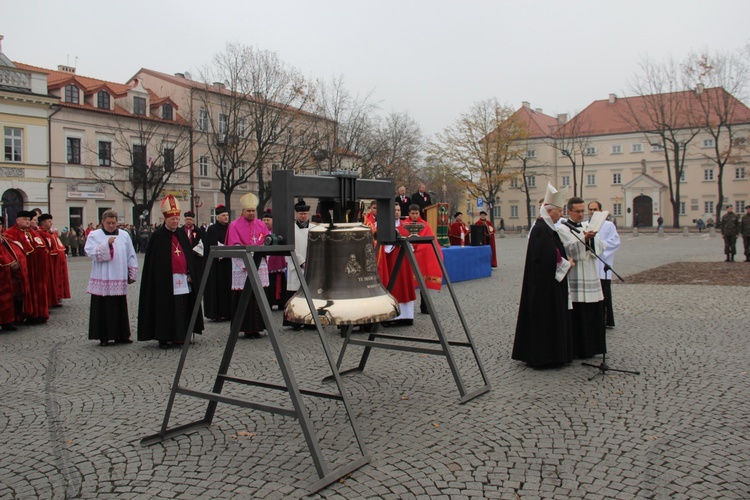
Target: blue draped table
(467,263)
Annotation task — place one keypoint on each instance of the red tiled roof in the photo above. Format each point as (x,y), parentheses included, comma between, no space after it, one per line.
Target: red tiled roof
(624,114)
(538,125)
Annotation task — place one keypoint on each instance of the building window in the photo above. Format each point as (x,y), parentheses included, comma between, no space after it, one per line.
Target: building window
(565,181)
(139,157)
(532,211)
(708,143)
(740,173)
(105,153)
(531,181)
(203,166)
(591,180)
(617,209)
(203,120)
(531,153)
(682,208)
(169,159)
(139,106)
(497,212)
(682,176)
(74,150)
(13,144)
(102,99)
(616,149)
(636,148)
(590,151)
(241,127)
(223,121)
(514,211)
(166,111)
(616,178)
(708,174)
(71,94)
(739,205)
(657,147)
(514,183)
(694,204)
(708,207)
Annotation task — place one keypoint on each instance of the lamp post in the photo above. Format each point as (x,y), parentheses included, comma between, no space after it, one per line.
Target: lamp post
(197,200)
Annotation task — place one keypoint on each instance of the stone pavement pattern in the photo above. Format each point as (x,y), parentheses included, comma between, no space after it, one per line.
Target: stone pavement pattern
(73,413)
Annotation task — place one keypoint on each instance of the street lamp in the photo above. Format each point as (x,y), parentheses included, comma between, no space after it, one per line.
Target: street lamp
(197,199)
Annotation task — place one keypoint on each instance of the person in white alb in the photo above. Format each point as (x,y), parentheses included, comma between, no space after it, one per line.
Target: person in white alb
(607,235)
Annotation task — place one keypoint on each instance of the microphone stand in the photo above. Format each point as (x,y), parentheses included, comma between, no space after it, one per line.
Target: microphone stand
(603,367)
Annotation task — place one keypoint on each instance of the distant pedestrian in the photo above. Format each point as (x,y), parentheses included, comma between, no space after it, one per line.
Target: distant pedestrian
(700,224)
(745,232)
(730,229)
(660,222)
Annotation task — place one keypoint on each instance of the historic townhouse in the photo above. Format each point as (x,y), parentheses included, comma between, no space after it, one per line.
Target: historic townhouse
(111,147)
(623,167)
(224,129)
(24,110)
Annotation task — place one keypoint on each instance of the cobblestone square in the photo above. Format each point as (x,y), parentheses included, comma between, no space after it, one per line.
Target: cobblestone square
(73,413)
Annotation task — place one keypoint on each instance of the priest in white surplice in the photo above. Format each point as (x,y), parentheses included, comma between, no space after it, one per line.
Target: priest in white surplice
(583,282)
(114,267)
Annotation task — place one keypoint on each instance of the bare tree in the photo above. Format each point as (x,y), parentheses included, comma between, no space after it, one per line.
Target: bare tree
(144,157)
(479,146)
(395,149)
(665,113)
(573,141)
(253,117)
(349,126)
(718,78)
(528,169)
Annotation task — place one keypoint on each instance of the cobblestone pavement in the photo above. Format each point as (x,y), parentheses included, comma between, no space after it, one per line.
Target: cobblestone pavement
(73,413)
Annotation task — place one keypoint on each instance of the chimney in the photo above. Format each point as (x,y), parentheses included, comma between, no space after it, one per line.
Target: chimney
(66,69)
(180,75)
(219,85)
(562,118)
(612,98)
(526,104)
(538,110)
(2,37)
(699,89)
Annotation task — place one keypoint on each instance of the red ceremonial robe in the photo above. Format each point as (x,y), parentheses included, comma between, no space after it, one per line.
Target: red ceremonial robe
(60,288)
(489,239)
(8,260)
(427,260)
(403,286)
(458,234)
(37,266)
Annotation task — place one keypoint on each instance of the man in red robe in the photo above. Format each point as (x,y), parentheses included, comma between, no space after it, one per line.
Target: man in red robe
(12,285)
(371,219)
(489,235)
(426,258)
(59,263)
(458,232)
(35,307)
(403,286)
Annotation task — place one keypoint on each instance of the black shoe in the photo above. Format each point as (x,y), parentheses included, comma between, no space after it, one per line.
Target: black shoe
(252,335)
(103,343)
(8,327)
(123,341)
(727,260)
(163,345)
(406,322)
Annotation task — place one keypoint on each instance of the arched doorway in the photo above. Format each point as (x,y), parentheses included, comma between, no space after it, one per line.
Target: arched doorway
(643,211)
(12,204)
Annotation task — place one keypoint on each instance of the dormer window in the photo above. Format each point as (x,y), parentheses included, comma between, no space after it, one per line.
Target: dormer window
(139,106)
(102,99)
(166,111)
(71,94)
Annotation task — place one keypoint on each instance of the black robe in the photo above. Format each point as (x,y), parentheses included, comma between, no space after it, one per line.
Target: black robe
(162,315)
(217,299)
(543,331)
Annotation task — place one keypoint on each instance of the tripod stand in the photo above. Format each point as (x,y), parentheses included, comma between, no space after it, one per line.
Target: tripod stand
(603,367)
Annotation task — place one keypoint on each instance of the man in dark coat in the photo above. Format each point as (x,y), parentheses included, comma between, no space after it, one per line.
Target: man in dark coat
(217,299)
(403,201)
(543,331)
(422,198)
(169,283)
(194,233)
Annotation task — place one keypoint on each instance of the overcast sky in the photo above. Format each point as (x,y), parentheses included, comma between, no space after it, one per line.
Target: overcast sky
(432,59)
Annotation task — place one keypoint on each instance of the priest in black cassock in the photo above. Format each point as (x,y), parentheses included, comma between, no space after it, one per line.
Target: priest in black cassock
(169,283)
(217,299)
(543,331)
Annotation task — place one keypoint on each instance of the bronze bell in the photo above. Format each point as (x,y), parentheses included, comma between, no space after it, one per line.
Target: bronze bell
(342,275)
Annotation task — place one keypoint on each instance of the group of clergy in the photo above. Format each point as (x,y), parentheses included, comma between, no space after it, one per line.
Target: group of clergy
(33,271)
(563,313)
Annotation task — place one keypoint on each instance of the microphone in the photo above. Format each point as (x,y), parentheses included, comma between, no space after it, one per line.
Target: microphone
(572,227)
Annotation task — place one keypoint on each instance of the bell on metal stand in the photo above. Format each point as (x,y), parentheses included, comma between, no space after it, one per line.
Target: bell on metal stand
(342,275)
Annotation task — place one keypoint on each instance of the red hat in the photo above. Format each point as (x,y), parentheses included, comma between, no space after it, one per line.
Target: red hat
(169,206)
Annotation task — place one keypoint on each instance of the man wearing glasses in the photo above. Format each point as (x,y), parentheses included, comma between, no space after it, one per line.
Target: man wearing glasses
(607,235)
(586,294)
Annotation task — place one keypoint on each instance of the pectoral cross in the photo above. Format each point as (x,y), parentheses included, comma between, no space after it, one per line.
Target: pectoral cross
(177,251)
(255,239)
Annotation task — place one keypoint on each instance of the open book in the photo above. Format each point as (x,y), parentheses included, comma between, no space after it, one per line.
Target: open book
(597,221)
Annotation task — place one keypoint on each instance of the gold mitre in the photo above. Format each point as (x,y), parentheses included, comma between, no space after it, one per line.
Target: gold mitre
(249,202)
(169,206)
